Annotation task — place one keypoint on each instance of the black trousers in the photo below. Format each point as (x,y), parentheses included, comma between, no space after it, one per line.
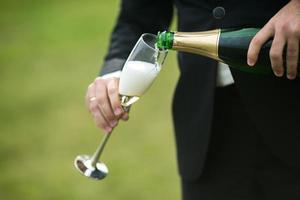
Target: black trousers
(239,165)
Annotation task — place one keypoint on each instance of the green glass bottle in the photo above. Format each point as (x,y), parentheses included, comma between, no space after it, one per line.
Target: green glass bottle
(229,46)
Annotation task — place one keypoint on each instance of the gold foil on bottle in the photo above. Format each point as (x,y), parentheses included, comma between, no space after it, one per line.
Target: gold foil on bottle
(204,43)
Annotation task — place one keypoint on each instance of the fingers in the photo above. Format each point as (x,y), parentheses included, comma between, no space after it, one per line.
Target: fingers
(276,54)
(103,102)
(92,104)
(292,55)
(125,116)
(89,94)
(98,117)
(113,94)
(276,51)
(256,43)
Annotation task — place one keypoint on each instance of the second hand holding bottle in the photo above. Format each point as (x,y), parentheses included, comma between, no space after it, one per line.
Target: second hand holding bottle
(229,46)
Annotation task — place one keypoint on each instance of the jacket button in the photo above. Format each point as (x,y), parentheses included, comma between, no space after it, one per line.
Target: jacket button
(218,12)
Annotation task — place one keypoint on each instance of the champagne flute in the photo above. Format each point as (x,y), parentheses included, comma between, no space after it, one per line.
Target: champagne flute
(139,71)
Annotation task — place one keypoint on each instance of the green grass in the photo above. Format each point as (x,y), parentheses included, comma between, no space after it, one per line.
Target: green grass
(49,52)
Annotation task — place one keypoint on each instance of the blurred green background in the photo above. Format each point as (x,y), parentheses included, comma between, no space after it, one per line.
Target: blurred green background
(49,52)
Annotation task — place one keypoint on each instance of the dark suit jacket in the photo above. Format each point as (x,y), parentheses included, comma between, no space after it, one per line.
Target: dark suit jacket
(272,102)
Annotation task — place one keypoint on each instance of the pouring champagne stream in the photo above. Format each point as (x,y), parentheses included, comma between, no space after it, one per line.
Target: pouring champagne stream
(140,70)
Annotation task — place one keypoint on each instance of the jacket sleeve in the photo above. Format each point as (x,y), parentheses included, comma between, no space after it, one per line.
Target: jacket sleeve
(135,18)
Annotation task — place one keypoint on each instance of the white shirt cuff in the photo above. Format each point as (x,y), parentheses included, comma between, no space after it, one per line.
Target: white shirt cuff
(224,76)
(115,74)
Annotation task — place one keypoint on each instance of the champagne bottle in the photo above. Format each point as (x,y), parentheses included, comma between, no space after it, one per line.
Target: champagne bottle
(229,46)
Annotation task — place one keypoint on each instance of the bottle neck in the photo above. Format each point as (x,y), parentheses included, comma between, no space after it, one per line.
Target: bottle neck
(204,43)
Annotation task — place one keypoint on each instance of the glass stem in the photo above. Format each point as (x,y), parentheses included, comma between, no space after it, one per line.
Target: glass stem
(99,150)
(96,156)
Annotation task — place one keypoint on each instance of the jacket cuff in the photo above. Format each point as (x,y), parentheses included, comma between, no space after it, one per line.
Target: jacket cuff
(112,65)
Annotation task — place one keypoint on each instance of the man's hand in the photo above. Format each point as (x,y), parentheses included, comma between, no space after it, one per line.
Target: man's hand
(284,27)
(102,100)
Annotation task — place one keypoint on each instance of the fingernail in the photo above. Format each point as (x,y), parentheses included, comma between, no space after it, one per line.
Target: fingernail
(125,117)
(278,74)
(108,129)
(113,123)
(250,62)
(118,111)
(291,76)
